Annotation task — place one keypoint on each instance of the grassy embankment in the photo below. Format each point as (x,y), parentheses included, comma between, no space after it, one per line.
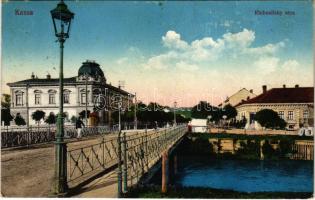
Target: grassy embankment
(206,193)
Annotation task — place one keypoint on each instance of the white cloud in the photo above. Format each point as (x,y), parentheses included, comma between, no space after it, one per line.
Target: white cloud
(187,67)
(122,60)
(266,65)
(173,40)
(290,65)
(241,39)
(229,46)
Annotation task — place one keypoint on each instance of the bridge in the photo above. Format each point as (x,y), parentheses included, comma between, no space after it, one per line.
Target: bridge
(112,163)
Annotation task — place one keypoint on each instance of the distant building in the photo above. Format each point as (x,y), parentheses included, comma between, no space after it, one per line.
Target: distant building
(34,94)
(294,105)
(199,125)
(238,97)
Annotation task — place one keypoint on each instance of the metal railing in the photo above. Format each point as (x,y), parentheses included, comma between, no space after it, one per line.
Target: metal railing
(87,161)
(139,150)
(139,153)
(24,137)
(303,151)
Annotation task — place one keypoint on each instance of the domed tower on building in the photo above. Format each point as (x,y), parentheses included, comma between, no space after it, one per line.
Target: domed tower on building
(92,70)
(86,91)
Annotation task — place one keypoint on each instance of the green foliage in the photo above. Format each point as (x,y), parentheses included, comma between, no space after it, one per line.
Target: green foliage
(51,119)
(250,149)
(73,119)
(6,117)
(269,119)
(19,120)
(5,101)
(229,111)
(38,115)
(204,109)
(153,112)
(210,193)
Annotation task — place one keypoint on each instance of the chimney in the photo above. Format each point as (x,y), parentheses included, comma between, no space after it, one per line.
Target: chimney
(248,98)
(33,76)
(48,76)
(296,86)
(284,86)
(251,91)
(264,87)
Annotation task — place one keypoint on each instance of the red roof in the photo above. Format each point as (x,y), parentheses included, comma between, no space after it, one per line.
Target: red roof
(284,95)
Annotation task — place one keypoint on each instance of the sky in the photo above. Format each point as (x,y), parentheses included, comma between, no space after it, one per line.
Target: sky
(169,51)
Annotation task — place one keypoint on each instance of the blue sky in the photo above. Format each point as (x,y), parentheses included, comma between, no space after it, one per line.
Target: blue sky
(169,48)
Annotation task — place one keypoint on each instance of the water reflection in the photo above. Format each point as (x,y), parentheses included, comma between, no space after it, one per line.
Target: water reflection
(246,175)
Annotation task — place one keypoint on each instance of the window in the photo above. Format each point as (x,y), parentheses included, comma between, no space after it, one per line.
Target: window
(66,98)
(290,115)
(305,114)
(281,114)
(19,99)
(52,99)
(83,98)
(37,99)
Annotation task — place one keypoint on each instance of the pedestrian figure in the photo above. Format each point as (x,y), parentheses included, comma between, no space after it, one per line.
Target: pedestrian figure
(155,125)
(78,126)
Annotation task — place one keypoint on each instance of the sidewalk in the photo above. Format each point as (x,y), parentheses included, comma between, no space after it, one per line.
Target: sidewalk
(103,187)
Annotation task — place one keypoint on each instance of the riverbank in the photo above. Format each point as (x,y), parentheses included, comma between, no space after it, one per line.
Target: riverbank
(205,193)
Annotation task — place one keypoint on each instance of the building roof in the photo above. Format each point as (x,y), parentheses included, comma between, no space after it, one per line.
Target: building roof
(90,68)
(35,81)
(55,81)
(284,95)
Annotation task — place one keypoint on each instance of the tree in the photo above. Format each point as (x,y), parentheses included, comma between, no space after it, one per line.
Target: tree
(6,117)
(73,119)
(204,109)
(5,101)
(51,119)
(269,119)
(38,115)
(82,113)
(19,120)
(230,111)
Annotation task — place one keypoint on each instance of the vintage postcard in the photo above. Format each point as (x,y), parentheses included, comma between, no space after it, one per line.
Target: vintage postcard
(157,99)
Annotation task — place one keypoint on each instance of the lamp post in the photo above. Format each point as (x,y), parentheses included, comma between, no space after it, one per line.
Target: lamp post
(86,98)
(224,117)
(209,118)
(135,113)
(61,17)
(175,104)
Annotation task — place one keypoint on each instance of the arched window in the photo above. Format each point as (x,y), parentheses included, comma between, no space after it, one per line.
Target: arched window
(66,96)
(37,97)
(83,96)
(52,96)
(19,98)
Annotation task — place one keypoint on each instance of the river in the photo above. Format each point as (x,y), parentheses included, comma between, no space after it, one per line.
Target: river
(246,175)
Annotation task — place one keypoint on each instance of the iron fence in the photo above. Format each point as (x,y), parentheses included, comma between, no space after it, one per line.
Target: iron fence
(140,152)
(22,137)
(87,161)
(136,152)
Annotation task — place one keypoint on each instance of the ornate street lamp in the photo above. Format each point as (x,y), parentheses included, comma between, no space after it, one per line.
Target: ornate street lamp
(224,118)
(175,104)
(61,17)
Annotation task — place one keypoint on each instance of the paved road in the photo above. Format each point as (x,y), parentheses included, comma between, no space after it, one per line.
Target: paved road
(29,172)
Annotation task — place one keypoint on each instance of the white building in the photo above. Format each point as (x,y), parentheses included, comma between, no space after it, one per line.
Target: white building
(33,94)
(294,105)
(238,97)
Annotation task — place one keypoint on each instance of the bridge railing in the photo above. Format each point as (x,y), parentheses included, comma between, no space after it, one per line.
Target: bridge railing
(23,137)
(139,153)
(84,162)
